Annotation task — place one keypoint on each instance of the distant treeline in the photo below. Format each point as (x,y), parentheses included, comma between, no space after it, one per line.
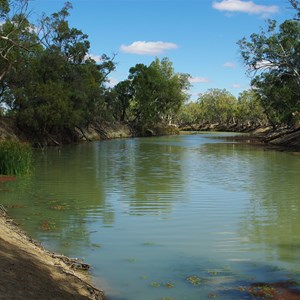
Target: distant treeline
(50,84)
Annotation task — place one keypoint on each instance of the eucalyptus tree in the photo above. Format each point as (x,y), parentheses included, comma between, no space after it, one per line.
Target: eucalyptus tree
(218,106)
(119,99)
(250,112)
(159,92)
(189,114)
(15,33)
(272,58)
(56,86)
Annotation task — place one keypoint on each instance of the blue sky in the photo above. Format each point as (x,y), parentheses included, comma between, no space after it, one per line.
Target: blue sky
(198,36)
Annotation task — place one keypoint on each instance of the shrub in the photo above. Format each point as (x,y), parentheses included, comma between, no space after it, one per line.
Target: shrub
(15,157)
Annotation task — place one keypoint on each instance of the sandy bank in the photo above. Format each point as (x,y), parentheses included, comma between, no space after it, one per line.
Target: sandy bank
(28,271)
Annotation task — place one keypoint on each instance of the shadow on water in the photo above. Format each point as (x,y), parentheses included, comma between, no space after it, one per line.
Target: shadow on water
(169,218)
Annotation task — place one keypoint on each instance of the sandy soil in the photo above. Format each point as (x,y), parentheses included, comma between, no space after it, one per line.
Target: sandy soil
(28,271)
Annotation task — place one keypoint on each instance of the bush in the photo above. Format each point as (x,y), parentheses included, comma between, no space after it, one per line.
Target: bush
(15,158)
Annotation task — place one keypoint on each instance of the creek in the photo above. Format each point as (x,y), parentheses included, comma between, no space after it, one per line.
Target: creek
(177,217)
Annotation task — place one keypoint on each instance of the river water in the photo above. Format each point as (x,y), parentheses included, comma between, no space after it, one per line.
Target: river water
(178,217)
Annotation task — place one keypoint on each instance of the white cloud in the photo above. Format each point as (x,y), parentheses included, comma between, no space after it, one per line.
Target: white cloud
(112,82)
(198,80)
(246,7)
(96,58)
(229,64)
(264,64)
(147,48)
(236,86)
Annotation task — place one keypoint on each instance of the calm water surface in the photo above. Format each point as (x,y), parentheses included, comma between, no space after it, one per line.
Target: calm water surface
(181,217)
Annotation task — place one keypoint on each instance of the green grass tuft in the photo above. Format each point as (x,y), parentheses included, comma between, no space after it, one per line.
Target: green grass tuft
(15,157)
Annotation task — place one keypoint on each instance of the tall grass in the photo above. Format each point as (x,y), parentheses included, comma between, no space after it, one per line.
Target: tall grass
(15,157)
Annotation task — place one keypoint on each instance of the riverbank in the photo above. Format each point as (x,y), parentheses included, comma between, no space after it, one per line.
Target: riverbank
(28,271)
(283,138)
(92,132)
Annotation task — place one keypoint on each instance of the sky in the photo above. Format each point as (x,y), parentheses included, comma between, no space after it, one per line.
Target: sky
(198,36)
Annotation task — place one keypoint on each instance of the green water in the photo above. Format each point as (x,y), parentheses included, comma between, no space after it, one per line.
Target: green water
(149,213)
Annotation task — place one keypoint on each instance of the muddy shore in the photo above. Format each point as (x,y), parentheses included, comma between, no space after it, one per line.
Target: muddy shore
(282,139)
(28,271)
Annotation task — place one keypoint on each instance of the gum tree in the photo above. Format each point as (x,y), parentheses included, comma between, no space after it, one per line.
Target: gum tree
(217,106)
(273,60)
(159,92)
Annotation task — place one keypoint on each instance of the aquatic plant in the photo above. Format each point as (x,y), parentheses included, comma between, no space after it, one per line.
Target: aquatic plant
(262,291)
(194,280)
(282,290)
(131,259)
(45,226)
(169,285)
(95,245)
(155,284)
(58,207)
(149,244)
(15,157)
(213,272)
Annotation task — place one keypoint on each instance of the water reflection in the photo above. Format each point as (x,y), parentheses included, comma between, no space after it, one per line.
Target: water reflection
(143,176)
(273,216)
(163,209)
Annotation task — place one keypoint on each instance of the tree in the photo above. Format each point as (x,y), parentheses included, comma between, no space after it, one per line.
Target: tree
(159,92)
(250,112)
(273,57)
(55,86)
(119,99)
(189,114)
(57,35)
(218,106)
(16,34)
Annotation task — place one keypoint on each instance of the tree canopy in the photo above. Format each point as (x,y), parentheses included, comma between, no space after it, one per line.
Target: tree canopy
(49,82)
(273,57)
(151,94)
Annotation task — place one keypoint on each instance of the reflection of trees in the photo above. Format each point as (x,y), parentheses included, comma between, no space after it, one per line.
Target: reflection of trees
(75,185)
(62,191)
(273,217)
(270,179)
(144,175)
(96,181)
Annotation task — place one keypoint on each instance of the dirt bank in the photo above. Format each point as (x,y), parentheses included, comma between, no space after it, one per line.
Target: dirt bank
(95,131)
(28,271)
(283,138)
(91,132)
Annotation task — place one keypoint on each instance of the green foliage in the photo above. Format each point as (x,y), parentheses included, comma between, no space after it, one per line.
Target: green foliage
(189,114)
(4,8)
(250,112)
(195,280)
(15,158)
(160,92)
(150,96)
(51,85)
(55,86)
(218,107)
(273,57)
(119,99)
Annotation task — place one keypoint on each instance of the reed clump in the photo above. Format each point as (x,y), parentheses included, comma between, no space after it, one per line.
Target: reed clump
(15,157)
